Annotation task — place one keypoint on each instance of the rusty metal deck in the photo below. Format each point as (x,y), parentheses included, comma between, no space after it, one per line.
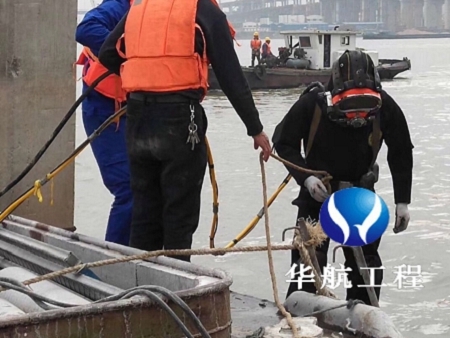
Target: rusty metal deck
(205,291)
(223,313)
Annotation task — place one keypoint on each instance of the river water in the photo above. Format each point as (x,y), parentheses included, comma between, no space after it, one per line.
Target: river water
(424,96)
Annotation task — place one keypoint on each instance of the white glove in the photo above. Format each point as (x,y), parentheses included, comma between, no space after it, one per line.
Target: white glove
(401,217)
(316,188)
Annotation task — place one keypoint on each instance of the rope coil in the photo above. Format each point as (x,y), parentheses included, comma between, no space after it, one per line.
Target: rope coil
(302,248)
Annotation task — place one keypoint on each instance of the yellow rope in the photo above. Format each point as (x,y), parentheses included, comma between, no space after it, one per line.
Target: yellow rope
(36,189)
(326,178)
(269,253)
(258,217)
(215,192)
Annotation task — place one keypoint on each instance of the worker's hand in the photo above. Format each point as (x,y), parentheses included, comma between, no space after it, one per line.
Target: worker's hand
(316,188)
(262,141)
(401,217)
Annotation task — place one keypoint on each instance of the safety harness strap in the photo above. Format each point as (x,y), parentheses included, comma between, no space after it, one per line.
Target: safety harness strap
(313,129)
(376,138)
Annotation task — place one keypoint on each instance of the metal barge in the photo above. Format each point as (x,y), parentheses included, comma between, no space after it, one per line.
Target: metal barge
(43,249)
(308,57)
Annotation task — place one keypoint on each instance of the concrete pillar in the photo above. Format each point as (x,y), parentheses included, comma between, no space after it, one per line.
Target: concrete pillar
(337,11)
(327,8)
(354,7)
(379,10)
(412,13)
(369,8)
(446,10)
(406,13)
(36,90)
(432,13)
(390,14)
(418,13)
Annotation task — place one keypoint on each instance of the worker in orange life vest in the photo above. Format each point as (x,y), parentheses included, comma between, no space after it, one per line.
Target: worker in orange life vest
(255,45)
(109,148)
(162,49)
(266,50)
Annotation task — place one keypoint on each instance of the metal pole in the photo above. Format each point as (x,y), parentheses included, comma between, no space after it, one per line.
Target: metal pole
(362,265)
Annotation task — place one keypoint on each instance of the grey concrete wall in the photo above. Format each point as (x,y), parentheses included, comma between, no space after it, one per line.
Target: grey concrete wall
(37,50)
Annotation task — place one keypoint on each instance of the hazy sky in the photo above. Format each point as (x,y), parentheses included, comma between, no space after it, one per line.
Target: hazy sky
(86,4)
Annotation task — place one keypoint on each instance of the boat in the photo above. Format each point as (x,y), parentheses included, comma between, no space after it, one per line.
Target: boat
(29,249)
(308,57)
(390,68)
(41,249)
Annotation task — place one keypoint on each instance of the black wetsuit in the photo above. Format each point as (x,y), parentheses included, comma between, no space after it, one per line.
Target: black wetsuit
(346,154)
(166,175)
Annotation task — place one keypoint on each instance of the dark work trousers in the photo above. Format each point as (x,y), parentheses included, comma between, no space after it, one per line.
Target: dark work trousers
(310,208)
(166,175)
(256,55)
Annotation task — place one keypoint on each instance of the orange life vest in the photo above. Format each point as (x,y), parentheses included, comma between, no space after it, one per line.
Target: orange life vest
(111,86)
(160,48)
(256,44)
(268,48)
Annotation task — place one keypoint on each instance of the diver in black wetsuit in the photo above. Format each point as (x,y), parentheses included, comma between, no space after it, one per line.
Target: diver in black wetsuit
(341,122)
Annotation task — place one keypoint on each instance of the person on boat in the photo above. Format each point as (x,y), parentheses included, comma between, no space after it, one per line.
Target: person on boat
(167,80)
(109,148)
(255,45)
(266,56)
(266,51)
(339,142)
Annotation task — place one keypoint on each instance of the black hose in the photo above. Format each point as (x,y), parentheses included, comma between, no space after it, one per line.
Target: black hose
(350,304)
(170,295)
(20,284)
(165,307)
(95,134)
(35,296)
(55,133)
(146,290)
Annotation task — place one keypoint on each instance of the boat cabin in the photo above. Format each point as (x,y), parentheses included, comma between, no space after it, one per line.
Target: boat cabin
(322,48)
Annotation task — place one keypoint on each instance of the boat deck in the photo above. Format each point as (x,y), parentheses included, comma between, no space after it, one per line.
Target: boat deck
(41,249)
(249,314)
